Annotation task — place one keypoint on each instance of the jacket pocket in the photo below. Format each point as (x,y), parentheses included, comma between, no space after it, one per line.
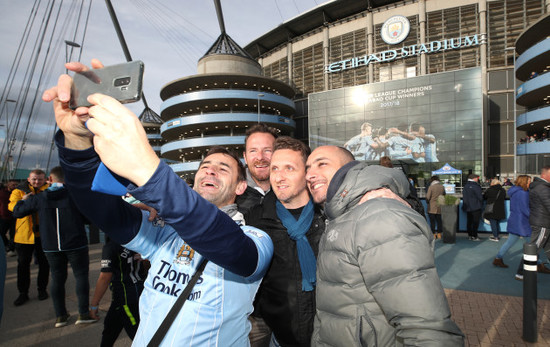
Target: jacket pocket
(366,331)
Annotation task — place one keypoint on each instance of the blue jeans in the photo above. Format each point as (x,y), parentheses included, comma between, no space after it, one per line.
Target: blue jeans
(79,261)
(495,227)
(512,239)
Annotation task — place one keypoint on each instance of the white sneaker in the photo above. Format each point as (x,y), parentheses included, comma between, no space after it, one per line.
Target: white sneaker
(85,319)
(62,321)
(519,277)
(494,239)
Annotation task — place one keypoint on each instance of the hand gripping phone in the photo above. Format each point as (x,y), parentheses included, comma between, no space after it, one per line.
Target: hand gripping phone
(123,82)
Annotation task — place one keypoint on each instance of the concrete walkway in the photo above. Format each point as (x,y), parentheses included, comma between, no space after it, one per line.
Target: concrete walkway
(486,318)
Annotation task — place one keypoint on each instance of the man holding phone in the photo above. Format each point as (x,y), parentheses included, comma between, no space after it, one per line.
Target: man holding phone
(192,225)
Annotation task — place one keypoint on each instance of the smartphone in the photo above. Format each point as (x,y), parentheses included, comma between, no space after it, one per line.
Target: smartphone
(122,81)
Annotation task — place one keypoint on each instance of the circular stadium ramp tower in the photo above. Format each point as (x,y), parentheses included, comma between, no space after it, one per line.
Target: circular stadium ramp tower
(151,123)
(218,105)
(531,68)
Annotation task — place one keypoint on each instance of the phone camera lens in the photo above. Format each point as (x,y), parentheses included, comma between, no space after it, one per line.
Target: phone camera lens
(123,81)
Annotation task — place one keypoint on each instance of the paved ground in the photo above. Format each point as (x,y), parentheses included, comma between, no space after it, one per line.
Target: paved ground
(486,318)
(32,324)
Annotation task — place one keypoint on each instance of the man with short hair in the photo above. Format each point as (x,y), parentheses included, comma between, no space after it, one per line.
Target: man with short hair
(472,203)
(192,225)
(64,241)
(286,298)
(257,156)
(377,284)
(27,240)
(539,215)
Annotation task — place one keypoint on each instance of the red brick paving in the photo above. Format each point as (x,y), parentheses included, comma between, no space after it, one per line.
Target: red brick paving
(496,320)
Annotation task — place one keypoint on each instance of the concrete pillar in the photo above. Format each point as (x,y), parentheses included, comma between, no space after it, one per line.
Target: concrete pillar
(422,22)
(370,43)
(325,54)
(484,83)
(289,61)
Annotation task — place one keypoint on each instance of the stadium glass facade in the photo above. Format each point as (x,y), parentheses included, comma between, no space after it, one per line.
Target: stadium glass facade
(305,52)
(443,111)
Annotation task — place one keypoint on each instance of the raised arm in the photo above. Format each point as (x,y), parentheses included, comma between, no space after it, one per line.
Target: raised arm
(120,220)
(79,161)
(26,206)
(121,142)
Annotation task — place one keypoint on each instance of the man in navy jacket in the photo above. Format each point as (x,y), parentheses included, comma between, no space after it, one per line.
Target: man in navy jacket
(64,241)
(472,203)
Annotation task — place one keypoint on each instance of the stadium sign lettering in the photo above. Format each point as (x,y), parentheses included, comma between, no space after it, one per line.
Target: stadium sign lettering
(404,52)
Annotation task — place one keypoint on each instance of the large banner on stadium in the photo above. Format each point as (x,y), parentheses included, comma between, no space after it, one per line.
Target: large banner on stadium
(427,119)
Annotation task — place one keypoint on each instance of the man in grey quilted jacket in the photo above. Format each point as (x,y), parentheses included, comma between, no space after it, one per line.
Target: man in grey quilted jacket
(377,284)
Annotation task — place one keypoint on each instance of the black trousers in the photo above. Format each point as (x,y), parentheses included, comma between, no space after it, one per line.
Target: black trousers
(24,259)
(5,226)
(435,219)
(472,222)
(120,317)
(539,237)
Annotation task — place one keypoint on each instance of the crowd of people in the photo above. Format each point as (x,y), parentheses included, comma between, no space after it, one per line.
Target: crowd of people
(535,137)
(261,256)
(296,248)
(403,142)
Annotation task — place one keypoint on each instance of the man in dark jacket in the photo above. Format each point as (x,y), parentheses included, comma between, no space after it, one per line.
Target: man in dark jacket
(63,241)
(286,298)
(539,206)
(257,155)
(258,144)
(377,284)
(472,202)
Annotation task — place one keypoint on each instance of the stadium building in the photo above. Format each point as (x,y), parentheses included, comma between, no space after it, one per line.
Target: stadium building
(426,82)
(217,105)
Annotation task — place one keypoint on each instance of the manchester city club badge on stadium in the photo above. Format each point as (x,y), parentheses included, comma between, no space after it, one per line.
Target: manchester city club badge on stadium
(395,30)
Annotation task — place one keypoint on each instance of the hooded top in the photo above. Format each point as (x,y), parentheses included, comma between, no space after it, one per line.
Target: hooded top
(377,284)
(355,179)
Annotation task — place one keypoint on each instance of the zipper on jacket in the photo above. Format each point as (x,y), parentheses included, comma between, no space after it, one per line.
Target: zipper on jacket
(57,227)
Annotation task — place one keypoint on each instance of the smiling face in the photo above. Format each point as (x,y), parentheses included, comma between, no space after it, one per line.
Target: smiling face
(288,178)
(321,166)
(217,180)
(257,155)
(36,180)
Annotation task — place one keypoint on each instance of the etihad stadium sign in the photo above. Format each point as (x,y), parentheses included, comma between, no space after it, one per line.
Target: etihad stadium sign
(404,52)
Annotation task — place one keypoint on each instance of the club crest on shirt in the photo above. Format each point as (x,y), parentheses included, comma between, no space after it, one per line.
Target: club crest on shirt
(158,222)
(185,255)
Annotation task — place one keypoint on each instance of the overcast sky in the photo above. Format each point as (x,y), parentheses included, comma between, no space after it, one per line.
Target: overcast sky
(169,36)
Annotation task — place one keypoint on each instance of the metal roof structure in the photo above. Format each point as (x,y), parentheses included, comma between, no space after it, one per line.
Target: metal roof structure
(225,45)
(149,116)
(317,17)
